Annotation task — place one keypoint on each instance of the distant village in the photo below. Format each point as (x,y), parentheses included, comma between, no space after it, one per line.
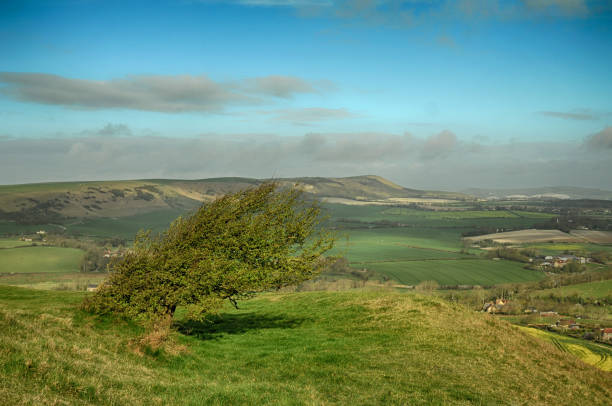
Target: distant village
(559,261)
(554,321)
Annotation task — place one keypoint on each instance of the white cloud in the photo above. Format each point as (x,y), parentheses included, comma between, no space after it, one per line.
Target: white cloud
(440,161)
(169,94)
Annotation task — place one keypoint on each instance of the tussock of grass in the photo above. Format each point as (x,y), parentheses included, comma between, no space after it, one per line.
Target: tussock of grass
(298,348)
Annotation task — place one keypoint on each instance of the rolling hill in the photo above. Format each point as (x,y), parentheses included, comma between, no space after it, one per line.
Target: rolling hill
(48,202)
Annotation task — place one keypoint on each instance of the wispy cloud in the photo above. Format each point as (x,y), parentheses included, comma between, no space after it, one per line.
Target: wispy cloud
(573,115)
(169,94)
(409,12)
(566,7)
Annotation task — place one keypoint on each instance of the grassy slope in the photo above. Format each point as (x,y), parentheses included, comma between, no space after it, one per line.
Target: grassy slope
(307,348)
(597,289)
(39,259)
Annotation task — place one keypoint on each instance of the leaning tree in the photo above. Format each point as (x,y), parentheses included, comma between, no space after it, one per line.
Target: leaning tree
(255,240)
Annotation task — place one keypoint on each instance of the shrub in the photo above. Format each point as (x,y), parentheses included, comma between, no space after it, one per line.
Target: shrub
(247,242)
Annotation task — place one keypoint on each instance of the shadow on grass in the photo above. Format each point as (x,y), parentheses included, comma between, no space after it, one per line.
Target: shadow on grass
(219,326)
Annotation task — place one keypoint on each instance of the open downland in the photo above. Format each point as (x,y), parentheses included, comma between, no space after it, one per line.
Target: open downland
(293,349)
(457,272)
(39,259)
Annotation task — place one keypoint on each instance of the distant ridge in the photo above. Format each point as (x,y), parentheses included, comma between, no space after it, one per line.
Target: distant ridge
(56,201)
(543,193)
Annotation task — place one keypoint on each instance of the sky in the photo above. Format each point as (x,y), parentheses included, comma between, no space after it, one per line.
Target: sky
(432,94)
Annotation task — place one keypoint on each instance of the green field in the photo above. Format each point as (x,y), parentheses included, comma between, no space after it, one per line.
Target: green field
(358,216)
(348,348)
(598,355)
(411,246)
(593,290)
(456,272)
(125,227)
(39,260)
(365,245)
(12,243)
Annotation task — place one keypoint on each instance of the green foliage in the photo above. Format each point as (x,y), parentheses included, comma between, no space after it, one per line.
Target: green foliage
(93,261)
(510,254)
(247,242)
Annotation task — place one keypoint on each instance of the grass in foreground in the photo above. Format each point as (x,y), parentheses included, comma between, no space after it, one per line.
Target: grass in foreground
(39,259)
(307,348)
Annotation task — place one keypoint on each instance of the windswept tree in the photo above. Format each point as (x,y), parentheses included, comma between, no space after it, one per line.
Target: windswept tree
(255,240)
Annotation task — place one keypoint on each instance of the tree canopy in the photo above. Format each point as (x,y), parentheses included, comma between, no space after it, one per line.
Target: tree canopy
(251,241)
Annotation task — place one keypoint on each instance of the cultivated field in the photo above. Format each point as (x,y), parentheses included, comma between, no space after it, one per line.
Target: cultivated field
(292,349)
(598,355)
(541,236)
(456,272)
(596,237)
(39,260)
(424,245)
(527,236)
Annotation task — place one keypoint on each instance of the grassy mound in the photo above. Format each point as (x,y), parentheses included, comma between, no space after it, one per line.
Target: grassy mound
(304,348)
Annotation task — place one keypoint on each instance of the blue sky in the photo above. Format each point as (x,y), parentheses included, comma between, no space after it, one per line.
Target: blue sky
(248,71)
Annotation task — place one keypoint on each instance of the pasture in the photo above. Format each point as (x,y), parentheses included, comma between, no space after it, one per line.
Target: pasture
(598,355)
(13,243)
(456,272)
(39,259)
